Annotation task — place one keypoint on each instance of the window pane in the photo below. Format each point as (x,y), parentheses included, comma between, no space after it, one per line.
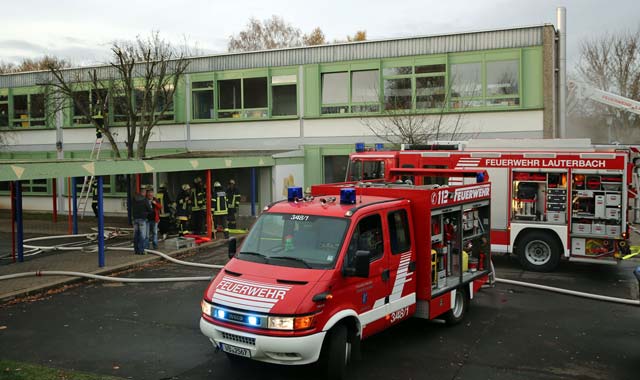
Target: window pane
(335,168)
(203,104)
(205,84)
(37,105)
(4,98)
(364,86)
(502,78)
(164,102)
(121,183)
(461,104)
(255,113)
(284,100)
(504,102)
(366,237)
(139,99)
(398,70)
(397,94)
(120,109)
(20,107)
(229,95)
(255,93)
(426,69)
(5,185)
(365,108)
(466,80)
(335,109)
(4,115)
(81,106)
(276,79)
(335,88)
(399,231)
(229,114)
(429,92)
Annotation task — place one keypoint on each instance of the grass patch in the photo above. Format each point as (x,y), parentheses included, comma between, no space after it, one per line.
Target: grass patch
(11,370)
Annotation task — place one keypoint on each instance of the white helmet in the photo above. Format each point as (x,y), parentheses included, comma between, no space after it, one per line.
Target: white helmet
(217,184)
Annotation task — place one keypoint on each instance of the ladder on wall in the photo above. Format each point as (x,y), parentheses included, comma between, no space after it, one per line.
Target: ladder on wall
(87,185)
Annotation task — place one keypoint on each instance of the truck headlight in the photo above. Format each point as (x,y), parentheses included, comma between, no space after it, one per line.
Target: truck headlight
(206,307)
(291,323)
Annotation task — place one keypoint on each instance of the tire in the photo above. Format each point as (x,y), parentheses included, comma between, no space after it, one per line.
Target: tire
(538,251)
(337,353)
(458,309)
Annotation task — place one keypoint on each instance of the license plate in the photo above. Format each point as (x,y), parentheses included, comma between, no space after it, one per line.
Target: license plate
(235,350)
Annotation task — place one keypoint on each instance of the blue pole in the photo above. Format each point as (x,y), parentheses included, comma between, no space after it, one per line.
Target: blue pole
(74,192)
(253,191)
(100,225)
(19,226)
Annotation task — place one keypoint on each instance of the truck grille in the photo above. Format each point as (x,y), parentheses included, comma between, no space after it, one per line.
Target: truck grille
(239,339)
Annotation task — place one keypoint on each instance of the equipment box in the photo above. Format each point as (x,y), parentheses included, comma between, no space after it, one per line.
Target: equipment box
(557,198)
(581,228)
(612,213)
(613,200)
(613,230)
(599,207)
(597,229)
(556,217)
(577,246)
(556,206)
(556,191)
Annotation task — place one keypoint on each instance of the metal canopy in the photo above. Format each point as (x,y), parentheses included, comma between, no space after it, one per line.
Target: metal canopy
(12,170)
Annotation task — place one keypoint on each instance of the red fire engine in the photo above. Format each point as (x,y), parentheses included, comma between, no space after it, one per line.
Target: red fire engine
(319,273)
(553,200)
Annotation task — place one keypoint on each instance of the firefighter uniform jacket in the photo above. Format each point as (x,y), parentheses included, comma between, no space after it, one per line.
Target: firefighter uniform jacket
(184,203)
(233,198)
(219,203)
(165,203)
(199,199)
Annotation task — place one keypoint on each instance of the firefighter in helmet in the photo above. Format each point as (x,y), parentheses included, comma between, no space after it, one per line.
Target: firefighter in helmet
(166,211)
(183,209)
(233,203)
(219,209)
(198,207)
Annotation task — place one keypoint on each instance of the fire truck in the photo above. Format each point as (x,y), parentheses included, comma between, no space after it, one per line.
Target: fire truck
(320,271)
(551,199)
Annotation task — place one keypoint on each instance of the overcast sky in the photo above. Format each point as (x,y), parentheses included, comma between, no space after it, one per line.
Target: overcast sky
(80,30)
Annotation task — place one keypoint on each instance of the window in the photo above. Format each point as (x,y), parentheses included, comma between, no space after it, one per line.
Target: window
(284,95)
(466,80)
(81,101)
(503,78)
(399,231)
(397,94)
(120,109)
(28,110)
(4,111)
(255,92)
(29,187)
(229,97)
(365,89)
(430,92)
(367,236)
(202,98)
(242,98)
(164,103)
(335,168)
(335,92)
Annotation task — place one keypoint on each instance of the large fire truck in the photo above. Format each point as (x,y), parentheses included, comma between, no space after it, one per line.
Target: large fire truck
(551,199)
(319,272)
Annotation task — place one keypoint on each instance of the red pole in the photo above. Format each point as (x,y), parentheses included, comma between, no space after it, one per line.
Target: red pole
(138,180)
(55,200)
(70,229)
(208,215)
(13,223)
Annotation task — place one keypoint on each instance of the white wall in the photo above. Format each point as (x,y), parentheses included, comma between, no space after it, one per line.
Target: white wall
(284,176)
(31,203)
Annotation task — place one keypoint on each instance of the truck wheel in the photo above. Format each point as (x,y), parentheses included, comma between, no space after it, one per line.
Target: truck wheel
(338,353)
(538,252)
(458,309)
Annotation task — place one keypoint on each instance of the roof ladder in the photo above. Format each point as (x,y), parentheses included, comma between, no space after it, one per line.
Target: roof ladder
(88,183)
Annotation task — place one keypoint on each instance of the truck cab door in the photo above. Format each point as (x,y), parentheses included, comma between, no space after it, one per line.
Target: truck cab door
(368,296)
(402,264)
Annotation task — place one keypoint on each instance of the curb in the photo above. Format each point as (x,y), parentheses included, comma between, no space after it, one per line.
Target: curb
(106,271)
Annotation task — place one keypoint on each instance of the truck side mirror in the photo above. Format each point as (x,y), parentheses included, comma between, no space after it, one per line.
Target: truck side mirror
(360,265)
(232,247)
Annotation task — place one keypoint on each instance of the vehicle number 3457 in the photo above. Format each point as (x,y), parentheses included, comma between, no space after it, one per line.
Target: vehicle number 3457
(399,314)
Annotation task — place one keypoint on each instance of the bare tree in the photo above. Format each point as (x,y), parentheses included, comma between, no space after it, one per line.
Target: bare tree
(271,33)
(147,72)
(316,37)
(34,64)
(611,62)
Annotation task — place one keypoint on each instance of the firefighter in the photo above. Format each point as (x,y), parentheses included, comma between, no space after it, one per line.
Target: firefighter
(198,207)
(94,198)
(183,209)
(167,210)
(219,209)
(233,202)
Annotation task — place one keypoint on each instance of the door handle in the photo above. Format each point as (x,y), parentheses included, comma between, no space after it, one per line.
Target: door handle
(385,275)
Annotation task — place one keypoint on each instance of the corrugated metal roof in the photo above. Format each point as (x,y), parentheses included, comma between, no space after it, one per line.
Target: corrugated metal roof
(389,48)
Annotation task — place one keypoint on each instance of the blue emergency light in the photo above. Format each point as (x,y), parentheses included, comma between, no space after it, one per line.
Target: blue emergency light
(348,196)
(360,147)
(480,177)
(379,146)
(294,193)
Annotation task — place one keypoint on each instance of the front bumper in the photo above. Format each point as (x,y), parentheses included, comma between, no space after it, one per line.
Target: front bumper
(270,349)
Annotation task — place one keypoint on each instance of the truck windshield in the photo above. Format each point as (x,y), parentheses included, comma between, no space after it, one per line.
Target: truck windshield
(295,240)
(365,170)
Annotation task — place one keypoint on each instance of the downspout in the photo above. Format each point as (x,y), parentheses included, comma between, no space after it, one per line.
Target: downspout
(561,14)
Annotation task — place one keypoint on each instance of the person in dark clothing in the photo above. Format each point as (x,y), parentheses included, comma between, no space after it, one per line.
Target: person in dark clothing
(219,209)
(166,212)
(233,203)
(94,198)
(183,209)
(140,209)
(198,207)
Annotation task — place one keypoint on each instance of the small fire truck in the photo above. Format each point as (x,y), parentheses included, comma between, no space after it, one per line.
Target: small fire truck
(551,199)
(320,271)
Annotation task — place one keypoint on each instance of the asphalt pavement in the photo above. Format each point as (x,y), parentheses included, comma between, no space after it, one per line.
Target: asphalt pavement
(150,331)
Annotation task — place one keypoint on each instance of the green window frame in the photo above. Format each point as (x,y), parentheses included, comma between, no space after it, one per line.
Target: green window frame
(237,107)
(283,87)
(28,109)
(202,95)
(77,118)
(350,96)
(4,109)
(38,187)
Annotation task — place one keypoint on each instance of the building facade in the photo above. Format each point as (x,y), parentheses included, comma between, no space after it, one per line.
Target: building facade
(304,108)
